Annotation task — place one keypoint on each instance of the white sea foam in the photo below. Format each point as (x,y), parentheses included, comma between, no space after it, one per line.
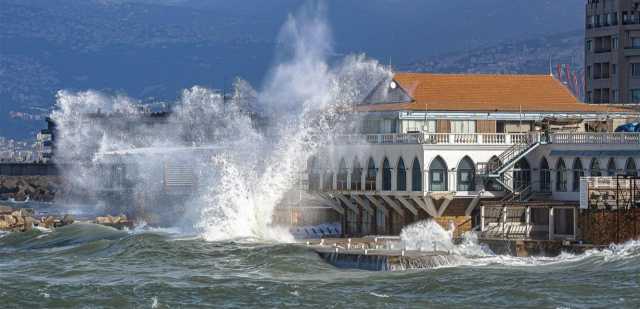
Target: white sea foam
(250,170)
(427,234)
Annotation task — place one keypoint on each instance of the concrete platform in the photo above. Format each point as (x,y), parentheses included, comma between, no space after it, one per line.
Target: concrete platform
(378,254)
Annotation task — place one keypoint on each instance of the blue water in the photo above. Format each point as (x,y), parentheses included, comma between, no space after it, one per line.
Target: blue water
(90,266)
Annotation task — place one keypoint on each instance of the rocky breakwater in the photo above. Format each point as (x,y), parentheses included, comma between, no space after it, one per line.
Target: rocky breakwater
(36,188)
(22,220)
(119,222)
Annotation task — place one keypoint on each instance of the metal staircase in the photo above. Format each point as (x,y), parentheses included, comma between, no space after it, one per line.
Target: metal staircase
(497,170)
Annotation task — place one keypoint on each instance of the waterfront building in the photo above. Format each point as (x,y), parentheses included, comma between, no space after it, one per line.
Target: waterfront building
(449,147)
(612,51)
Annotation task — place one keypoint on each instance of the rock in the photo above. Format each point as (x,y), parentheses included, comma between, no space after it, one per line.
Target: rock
(67,219)
(47,222)
(5,209)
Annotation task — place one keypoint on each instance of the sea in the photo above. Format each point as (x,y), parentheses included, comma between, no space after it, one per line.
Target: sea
(90,266)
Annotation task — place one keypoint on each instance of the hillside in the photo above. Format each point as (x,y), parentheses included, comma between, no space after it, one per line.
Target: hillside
(151,50)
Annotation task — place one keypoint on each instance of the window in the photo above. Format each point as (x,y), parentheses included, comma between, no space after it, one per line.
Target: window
(635,69)
(635,95)
(612,170)
(314,174)
(343,173)
(370,184)
(588,44)
(561,176)
(463,126)
(615,43)
(595,168)
(415,126)
(635,42)
(386,175)
(328,181)
(630,168)
(589,97)
(521,175)
(438,175)
(356,177)
(491,184)
(589,76)
(545,176)
(615,96)
(578,172)
(466,175)
(401,181)
(416,176)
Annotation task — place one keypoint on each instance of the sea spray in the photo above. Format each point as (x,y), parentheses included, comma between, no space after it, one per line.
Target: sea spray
(260,140)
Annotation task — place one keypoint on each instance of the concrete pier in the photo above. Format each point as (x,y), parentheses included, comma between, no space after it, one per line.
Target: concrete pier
(378,254)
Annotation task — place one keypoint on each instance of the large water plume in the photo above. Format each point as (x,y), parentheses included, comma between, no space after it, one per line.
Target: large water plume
(259,141)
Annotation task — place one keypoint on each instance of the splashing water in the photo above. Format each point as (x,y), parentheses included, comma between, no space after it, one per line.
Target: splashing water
(249,168)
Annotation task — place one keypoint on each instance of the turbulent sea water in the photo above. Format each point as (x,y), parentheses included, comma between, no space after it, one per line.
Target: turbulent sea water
(90,266)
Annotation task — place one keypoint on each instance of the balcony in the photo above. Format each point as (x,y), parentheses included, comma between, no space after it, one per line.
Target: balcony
(506,139)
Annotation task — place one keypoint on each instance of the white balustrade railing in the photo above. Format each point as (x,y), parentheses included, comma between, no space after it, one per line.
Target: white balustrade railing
(492,138)
(595,138)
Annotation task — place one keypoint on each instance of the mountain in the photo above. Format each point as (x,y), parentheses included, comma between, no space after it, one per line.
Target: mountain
(151,49)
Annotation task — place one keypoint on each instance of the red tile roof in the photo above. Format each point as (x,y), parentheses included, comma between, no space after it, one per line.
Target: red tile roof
(474,92)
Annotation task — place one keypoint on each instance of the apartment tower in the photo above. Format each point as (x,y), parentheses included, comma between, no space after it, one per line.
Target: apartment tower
(612,51)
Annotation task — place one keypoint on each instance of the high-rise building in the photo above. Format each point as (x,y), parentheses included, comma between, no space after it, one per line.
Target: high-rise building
(612,51)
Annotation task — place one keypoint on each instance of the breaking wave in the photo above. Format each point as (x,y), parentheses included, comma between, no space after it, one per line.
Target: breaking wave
(430,236)
(249,167)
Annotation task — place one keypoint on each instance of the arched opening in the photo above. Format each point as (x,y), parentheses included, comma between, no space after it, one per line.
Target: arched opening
(370,183)
(313,171)
(401,181)
(561,176)
(356,176)
(416,176)
(612,169)
(386,175)
(343,174)
(466,175)
(578,172)
(545,176)
(438,175)
(630,168)
(521,175)
(491,184)
(328,181)
(595,168)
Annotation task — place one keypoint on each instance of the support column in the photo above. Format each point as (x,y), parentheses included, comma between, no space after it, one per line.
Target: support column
(481,218)
(551,223)
(528,224)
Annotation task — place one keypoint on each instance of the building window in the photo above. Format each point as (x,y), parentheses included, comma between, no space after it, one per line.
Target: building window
(578,172)
(328,181)
(356,176)
(588,45)
(466,175)
(615,42)
(614,69)
(612,170)
(615,96)
(595,168)
(561,176)
(521,175)
(438,175)
(370,184)
(314,175)
(416,176)
(589,97)
(463,126)
(635,69)
(343,173)
(491,184)
(630,168)
(545,176)
(386,175)
(589,76)
(635,42)
(401,181)
(635,95)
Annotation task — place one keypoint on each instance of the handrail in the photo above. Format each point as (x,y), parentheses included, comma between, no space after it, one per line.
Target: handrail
(517,140)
